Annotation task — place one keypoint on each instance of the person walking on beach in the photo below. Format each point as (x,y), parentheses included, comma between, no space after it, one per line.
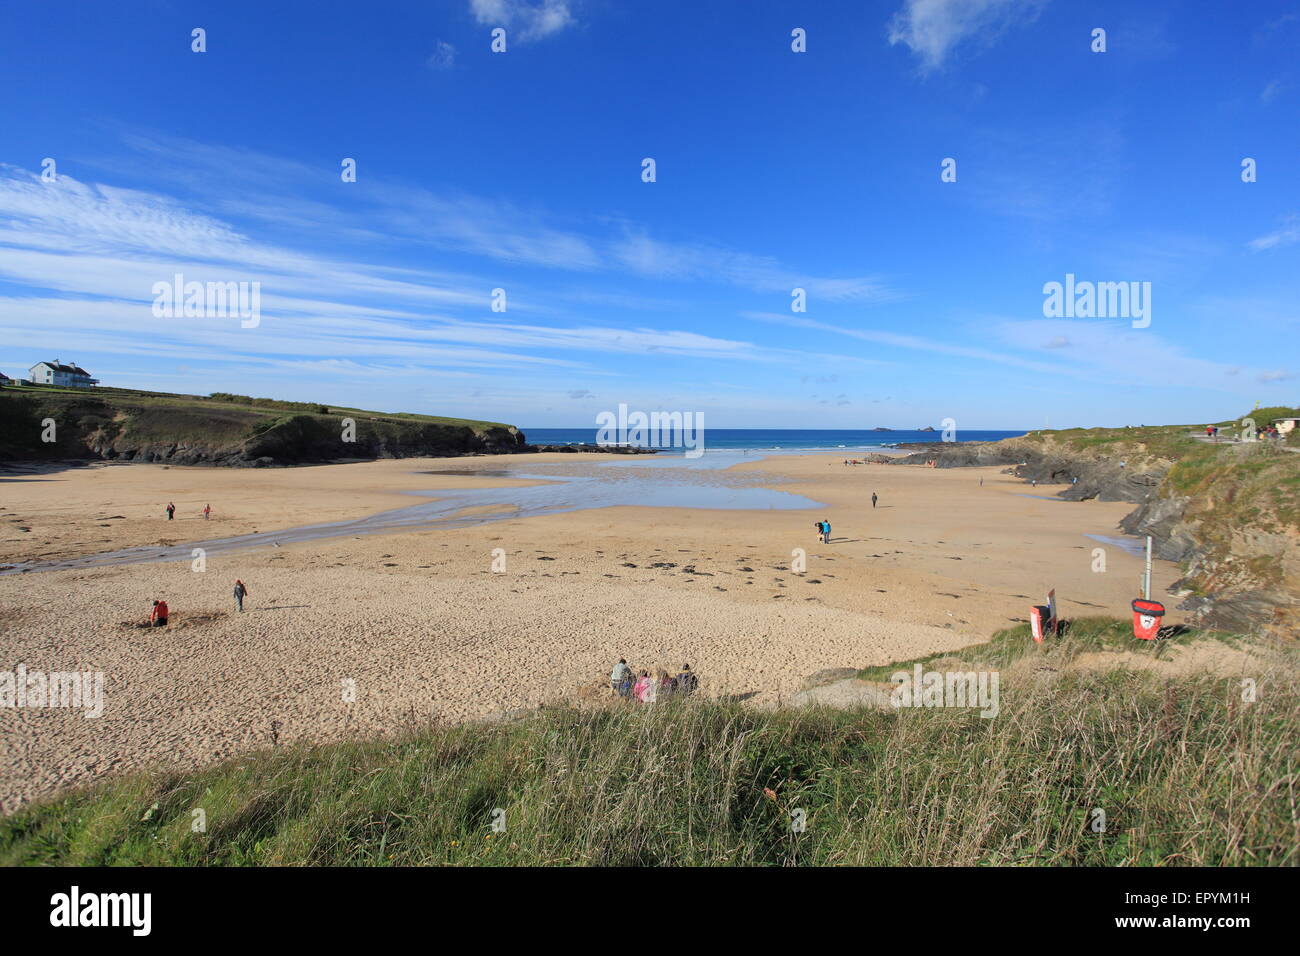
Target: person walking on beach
(171,511)
(158,616)
(240,593)
(873,499)
(826,532)
(207,510)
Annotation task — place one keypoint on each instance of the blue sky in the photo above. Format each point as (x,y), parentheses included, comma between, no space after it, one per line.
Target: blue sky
(775,170)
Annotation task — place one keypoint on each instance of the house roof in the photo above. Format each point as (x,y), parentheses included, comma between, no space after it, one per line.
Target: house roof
(60,367)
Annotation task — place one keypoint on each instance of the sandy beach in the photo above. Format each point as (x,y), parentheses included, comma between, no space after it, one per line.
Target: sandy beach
(423,628)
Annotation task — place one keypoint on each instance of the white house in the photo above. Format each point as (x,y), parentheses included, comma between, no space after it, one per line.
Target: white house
(56,373)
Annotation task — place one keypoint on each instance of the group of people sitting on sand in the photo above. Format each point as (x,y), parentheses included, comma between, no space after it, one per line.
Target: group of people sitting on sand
(623,680)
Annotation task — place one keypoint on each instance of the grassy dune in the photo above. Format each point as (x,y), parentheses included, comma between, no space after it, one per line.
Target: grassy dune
(1186,773)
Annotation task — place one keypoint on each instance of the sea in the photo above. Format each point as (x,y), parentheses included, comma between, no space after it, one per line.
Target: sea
(783,439)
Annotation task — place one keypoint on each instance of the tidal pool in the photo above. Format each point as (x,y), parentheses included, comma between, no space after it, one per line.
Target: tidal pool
(681,487)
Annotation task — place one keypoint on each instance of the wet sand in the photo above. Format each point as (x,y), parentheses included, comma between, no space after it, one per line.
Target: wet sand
(420,624)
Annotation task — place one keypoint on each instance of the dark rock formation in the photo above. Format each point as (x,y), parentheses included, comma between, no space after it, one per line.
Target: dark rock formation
(593,448)
(1221,586)
(1102,478)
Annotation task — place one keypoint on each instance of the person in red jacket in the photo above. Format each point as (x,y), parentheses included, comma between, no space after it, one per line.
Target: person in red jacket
(158,617)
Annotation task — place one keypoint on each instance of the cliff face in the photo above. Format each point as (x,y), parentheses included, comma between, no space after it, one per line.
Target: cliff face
(191,431)
(1226,513)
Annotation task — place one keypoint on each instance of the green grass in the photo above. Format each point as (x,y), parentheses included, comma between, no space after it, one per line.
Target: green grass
(1186,772)
(220,422)
(1079,636)
(217,401)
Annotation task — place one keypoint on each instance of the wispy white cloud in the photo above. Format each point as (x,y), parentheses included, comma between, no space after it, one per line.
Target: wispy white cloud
(443,56)
(1105,352)
(932,29)
(534,19)
(1284,235)
(90,256)
(493,228)
(1096,351)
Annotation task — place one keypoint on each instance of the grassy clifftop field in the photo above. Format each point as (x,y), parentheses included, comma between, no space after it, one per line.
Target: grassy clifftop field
(224,429)
(1186,770)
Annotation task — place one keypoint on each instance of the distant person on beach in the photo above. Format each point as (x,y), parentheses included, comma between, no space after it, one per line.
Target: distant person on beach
(826,532)
(171,511)
(207,510)
(687,682)
(618,675)
(240,593)
(873,499)
(821,530)
(158,616)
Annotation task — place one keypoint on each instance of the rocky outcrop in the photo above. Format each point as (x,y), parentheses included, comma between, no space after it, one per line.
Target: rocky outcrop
(590,448)
(1090,476)
(184,430)
(1242,579)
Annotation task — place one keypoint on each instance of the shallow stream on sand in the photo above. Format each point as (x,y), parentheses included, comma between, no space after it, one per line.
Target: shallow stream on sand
(693,483)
